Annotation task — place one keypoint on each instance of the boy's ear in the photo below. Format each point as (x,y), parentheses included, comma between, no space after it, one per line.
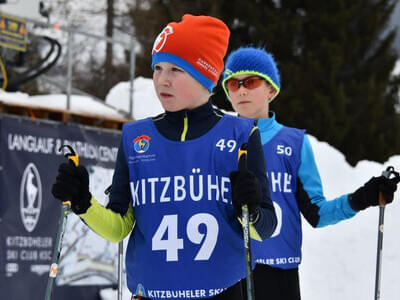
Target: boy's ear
(272,93)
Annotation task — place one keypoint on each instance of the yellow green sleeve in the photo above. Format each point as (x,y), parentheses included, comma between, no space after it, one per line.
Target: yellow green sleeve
(108,224)
(253,233)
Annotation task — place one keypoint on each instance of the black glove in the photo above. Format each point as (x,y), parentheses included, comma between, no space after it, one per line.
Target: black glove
(368,195)
(72,183)
(246,189)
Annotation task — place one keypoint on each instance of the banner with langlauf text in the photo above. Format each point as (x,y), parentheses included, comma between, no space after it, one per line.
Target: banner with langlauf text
(29,215)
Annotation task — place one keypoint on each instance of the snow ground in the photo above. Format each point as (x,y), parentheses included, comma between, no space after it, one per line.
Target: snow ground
(338,261)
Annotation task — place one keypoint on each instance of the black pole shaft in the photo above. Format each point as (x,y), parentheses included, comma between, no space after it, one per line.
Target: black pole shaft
(242,156)
(379,252)
(65,207)
(120,264)
(247,252)
(57,251)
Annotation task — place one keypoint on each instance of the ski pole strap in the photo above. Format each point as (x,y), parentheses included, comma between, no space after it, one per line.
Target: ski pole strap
(71,155)
(242,158)
(75,159)
(107,191)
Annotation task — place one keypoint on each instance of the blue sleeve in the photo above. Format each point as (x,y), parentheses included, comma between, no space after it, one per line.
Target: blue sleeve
(316,209)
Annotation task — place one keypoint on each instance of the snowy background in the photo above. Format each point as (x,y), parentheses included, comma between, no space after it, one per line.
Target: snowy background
(338,261)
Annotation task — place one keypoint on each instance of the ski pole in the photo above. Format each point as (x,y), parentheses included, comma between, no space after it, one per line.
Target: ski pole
(61,229)
(120,257)
(242,154)
(120,261)
(382,202)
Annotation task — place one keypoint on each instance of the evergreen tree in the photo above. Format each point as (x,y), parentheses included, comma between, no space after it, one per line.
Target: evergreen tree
(344,75)
(335,64)
(335,69)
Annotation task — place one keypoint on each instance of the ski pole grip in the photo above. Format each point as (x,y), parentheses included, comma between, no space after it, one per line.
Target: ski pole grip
(382,201)
(386,173)
(242,157)
(74,159)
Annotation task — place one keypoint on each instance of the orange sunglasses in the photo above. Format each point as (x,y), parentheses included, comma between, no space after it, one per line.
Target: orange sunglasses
(249,83)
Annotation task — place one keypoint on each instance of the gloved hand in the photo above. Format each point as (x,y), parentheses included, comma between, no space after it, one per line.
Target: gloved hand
(368,195)
(246,189)
(72,183)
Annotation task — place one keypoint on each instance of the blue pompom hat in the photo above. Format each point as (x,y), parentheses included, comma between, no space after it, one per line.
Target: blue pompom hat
(250,60)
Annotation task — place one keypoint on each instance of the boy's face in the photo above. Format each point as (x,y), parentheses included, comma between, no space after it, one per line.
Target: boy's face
(251,103)
(176,89)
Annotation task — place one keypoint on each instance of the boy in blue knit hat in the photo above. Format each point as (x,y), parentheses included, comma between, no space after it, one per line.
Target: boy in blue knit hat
(251,81)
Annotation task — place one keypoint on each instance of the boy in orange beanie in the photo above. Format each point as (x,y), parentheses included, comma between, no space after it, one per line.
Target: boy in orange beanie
(172,178)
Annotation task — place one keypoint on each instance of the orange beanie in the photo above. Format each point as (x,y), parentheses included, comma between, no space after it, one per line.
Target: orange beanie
(197,44)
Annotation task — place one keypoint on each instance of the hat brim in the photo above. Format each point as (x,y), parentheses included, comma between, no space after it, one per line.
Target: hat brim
(180,62)
(267,78)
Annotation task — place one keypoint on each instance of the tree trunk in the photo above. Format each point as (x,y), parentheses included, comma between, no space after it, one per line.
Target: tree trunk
(108,64)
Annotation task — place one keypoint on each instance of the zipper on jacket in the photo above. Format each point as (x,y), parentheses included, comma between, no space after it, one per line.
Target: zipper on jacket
(185,127)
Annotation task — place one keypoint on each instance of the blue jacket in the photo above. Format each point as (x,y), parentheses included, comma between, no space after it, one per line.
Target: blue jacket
(296,188)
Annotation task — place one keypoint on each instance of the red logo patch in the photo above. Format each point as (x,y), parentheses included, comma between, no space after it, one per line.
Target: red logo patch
(162,39)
